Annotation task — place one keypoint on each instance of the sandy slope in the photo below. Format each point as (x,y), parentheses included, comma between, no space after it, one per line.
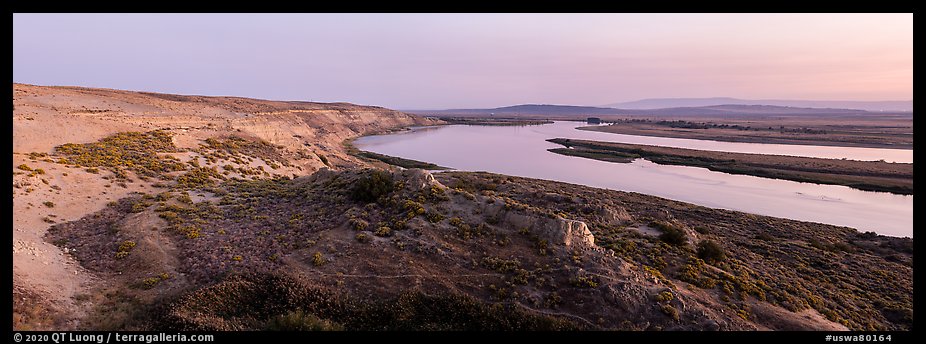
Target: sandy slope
(45,117)
(36,263)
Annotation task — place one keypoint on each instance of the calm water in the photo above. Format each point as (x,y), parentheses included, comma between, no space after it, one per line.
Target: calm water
(830,152)
(521,151)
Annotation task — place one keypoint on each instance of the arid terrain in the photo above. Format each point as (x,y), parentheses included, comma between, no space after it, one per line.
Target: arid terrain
(141,211)
(309,135)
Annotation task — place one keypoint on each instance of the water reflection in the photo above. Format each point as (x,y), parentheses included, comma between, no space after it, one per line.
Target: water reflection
(522,151)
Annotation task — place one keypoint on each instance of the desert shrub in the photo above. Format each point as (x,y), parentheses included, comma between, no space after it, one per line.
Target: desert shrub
(623,247)
(300,321)
(170,216)
(132,150)
(139,206)
(199,177)
(126,246)
(665,296)
(499,293)
(474,185)
(670,311)
(150,282)
(466,232)
(184,198)
(370,188)
(363,237)
(765,237)
(383,231)
(552,300)
(436,194)
(543,246)
(711,252)
(124,249)
(191,231)
(234,145)
(317,259)
(521,276)
(435,217)
(742,313)
(49,204)
(500,264)
(37,155)
(187,220)
(584,281)
(511,204)
(502,240)
(670,234)
(413,208)
(845,247)
(357,224)
(693,272)
(24,167)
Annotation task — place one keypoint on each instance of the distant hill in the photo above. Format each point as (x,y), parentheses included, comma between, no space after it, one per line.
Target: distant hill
(662,103)
(728,110)
(527,109)
(564,111)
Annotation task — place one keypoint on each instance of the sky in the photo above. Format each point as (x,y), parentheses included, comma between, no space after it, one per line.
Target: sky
(443,61)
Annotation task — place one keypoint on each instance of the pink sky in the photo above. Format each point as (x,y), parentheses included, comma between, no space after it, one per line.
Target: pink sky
(433,61)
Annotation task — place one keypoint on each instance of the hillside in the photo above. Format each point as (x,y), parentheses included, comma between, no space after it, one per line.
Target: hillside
(283,138)
(137,211)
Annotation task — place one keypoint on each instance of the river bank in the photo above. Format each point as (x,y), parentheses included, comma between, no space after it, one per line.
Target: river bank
(863,175)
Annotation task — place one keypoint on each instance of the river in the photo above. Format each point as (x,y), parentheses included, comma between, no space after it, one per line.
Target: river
(522,151)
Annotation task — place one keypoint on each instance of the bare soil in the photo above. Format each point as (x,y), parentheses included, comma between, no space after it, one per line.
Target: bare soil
(309,134)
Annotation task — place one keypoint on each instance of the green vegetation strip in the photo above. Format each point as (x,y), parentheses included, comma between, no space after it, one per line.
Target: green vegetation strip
(129,150)
(863,175)
(493,121)
(401,162)
(391,160)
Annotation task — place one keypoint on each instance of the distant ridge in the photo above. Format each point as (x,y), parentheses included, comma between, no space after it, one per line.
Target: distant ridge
(580,111)
(544,109)
(662,103)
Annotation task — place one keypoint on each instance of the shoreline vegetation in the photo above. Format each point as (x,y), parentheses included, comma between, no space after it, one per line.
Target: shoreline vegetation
(388,159)
(863,133)
(880,176)
(493,121)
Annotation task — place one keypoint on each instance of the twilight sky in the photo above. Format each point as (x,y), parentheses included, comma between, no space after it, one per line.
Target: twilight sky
(438,61)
